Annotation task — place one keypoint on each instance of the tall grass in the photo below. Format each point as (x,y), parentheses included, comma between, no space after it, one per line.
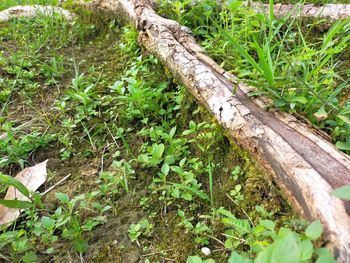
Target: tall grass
(286,58)
(9,3)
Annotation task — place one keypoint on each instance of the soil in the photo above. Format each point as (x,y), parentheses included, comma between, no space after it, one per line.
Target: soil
(110,242)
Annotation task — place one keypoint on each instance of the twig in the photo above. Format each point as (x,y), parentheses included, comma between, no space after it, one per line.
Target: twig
(56,184)
(157,252)
(216,239)
(240,239)
(229,197)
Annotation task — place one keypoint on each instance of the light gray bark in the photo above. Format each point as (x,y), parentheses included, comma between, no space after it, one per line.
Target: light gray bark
(328,11)
(32,11)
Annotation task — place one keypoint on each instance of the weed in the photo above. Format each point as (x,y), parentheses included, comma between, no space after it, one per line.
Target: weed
(278,58)
(147,141)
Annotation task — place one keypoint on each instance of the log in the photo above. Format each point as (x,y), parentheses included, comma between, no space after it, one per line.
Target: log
(305,165)
(32,11)
(327,11)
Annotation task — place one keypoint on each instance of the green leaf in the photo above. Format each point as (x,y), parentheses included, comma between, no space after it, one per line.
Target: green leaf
(194,259)
(314,230)
(47,222)
(172,132)
(342,146)
(326,259)
(8,180)
(242,226)
(165,169)
(268,224)
(29,257)
(80,245)
(143,158)
(16,204)
(169,159)
(306,250)
(157,151)
(193,190)
(231,243)
(344,119)
(236,258)
(324,256)
(284,250)
(226,212)
(300,99)
(192,125)
(342,192)
(62,197)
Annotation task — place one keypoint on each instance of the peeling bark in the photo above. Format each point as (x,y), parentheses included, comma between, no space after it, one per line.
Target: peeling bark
(306,166)
(32,11)
(328,11)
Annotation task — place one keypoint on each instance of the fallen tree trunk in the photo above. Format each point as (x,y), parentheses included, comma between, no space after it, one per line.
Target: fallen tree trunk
(32,11)
(305,166)
(328,11)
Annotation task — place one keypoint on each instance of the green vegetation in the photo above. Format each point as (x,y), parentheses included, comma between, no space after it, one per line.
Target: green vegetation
(9,3)
(153,177)
(300,64)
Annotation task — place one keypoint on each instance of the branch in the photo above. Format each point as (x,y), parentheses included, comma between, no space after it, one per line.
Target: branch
(329,11)
(33,11)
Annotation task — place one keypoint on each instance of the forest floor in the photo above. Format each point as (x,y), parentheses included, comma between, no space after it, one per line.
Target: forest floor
(152,177)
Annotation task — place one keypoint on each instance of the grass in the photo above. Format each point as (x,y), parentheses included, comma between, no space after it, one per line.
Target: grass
(10,3)
(152,178)
(302,69)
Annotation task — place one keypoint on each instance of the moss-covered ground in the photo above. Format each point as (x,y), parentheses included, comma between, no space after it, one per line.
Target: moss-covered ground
(153,178)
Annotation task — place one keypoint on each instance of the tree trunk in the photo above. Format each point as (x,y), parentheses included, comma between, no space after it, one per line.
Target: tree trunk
(328,11)
(305,165)
(32,11)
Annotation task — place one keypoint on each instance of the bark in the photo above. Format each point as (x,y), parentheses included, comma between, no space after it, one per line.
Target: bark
(328,11)
(305,165)
(32,11)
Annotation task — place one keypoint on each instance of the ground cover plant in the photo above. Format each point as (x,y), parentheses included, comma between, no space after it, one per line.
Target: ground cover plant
(153,178)
(302,65)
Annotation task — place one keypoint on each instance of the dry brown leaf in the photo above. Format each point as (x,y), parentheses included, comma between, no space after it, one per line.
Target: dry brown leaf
(32,178)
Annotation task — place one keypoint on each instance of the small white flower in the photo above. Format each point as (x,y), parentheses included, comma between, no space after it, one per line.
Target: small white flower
(206,251)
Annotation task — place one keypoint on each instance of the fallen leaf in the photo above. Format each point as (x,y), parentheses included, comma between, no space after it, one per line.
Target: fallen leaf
(321,114)
(32,178)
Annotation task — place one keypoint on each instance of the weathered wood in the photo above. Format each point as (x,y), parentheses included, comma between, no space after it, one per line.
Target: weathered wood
(327,11)
(305,166)
(32,11)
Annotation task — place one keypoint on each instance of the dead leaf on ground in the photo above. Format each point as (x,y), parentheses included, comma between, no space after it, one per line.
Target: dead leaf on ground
(32,178)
